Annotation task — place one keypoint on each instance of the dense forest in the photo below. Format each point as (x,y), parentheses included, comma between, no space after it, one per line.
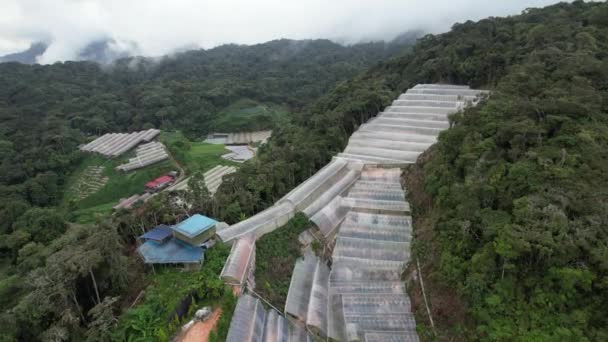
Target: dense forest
(515,193)
(512,197)
(61,280)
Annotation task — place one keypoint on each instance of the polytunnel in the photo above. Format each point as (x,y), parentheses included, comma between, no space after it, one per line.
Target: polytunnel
(357,202)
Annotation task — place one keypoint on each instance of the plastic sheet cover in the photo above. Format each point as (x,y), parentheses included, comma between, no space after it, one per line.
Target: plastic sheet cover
(306,193)
(248,320)
(298,296)
(328,218)
(261,223)
(317,306)
(240,259)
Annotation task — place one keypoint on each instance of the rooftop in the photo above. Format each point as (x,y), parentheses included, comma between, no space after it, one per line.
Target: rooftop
(159,180)
(173,251)
(195,225)
(158,233)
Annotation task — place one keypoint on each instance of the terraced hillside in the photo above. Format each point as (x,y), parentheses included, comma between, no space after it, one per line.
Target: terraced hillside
(359,206)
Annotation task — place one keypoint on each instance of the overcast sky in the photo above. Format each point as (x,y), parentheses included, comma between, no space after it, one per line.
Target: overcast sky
(160,26)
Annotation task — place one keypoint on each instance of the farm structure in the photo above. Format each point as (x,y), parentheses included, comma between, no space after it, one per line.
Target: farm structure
(358,204)
(213,179)
(238,138)
(178,244)
(145,154)
(115,144)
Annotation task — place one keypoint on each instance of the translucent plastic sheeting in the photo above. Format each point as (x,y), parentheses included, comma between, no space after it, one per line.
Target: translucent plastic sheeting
(402,129)
(388,144)
(328,218)
(376,205)
(440,86)
(248,320)
(426,103)
(383,152)
(420,109)
(317,307)
(393,136)
(372,160)
(300,286)
(378,194)
(376,221)
(378,304)
(239,261)
(444,124)
(386,322)
(390,337)
(335,190)
(381,232)
(371,249)
(370,288)
(359,273)
(382,175)
(261,223)
(335,317)
(276,329)
(460,92)
(374,185)
(307,192)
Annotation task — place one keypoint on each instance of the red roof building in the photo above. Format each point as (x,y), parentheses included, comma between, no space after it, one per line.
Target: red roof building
(159,182)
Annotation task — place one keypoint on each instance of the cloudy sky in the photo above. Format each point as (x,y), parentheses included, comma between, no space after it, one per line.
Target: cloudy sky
(159,27)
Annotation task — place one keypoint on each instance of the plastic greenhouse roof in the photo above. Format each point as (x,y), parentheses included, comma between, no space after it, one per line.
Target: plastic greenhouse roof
(158,233)
(170,252)
(195,225)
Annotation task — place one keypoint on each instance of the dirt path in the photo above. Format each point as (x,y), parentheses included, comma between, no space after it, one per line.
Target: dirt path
(199,332)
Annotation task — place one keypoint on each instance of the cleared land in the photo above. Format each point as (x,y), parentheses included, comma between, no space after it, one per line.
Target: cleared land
(248,115)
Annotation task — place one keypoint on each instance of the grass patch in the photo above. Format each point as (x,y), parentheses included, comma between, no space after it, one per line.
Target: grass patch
(90,215)
(248,115)
(119,184)
(276,254)
(153,318)
(195,156)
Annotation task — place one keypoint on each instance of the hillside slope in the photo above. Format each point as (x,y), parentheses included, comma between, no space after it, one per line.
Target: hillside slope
(516,189)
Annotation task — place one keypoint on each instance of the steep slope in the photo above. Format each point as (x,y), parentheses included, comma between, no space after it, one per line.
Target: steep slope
(517,217)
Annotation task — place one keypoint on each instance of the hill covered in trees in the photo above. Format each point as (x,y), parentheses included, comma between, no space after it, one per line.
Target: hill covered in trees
(65,281)
(511,208)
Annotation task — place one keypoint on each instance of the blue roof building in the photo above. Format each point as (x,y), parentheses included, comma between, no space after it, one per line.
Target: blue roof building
(195,230)
(178,244)
(159,233)
(170,252)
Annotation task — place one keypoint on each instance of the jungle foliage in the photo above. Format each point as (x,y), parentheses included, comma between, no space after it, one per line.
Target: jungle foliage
(518,184)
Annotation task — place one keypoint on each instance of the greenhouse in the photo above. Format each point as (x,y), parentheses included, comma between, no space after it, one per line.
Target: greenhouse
(115,144)
(358,204)
(251,322)
(240,262)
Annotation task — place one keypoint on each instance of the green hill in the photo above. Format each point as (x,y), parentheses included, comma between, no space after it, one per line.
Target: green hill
(511,203)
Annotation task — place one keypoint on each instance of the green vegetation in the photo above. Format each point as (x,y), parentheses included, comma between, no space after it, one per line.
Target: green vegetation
(67,281)
(275,256)
(248,115)
(153,319)
(517,187)
(194,156)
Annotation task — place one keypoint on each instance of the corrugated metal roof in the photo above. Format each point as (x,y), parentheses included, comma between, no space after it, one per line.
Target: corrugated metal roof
(159,180)
(173,251)
(195,225)
(158,233)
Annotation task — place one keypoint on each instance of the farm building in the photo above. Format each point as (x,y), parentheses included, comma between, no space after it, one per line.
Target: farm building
(195,230)
(159,183)
(178,244)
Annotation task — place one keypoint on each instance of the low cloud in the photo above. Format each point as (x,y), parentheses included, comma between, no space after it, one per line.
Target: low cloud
(157,27)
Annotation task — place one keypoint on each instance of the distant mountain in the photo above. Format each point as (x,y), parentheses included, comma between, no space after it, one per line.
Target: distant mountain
(103,51)
(106,51)
(28,56)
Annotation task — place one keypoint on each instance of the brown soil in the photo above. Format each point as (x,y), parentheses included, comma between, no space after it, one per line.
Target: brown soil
(200,331)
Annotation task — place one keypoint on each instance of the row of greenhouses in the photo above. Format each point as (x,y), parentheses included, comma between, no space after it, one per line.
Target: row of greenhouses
(359,207)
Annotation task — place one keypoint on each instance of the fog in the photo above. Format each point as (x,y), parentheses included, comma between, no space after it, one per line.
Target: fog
(157,27)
